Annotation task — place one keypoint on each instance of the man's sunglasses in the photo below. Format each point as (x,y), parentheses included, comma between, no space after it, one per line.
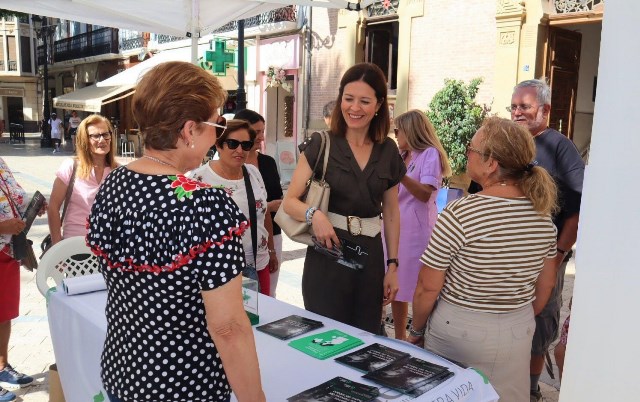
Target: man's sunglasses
(220,126)
(233,144)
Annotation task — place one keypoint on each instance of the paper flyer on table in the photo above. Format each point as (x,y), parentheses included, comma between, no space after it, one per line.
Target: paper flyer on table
(83,284)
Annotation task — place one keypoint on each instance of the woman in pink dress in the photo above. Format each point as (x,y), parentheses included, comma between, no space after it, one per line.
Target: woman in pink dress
(95,149)
(427,163)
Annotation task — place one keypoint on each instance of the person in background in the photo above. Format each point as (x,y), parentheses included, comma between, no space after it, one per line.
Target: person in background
(427,163)
(94,161)
(530,107)
(327,110)
(269,172)
(13,203)
(490,262)
(74,122)
(171,253)
(233,147)
(364,170)
(57,131)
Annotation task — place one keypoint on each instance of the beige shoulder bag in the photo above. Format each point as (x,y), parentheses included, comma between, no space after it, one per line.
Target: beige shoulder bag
(316,195)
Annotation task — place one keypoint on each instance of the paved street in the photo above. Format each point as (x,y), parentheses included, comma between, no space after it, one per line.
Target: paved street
(30,348)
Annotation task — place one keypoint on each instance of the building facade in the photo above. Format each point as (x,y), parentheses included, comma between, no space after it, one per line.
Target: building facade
(420,43)
(19,81)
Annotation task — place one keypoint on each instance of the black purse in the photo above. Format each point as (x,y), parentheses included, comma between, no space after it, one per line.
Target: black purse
(22,247)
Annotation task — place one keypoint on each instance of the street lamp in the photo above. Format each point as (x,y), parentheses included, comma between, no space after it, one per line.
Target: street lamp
(43,31)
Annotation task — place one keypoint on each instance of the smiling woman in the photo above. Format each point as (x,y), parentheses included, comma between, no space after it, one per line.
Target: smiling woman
(95,159)
(364,170)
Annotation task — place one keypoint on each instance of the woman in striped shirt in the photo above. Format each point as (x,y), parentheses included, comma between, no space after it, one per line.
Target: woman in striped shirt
(488,267)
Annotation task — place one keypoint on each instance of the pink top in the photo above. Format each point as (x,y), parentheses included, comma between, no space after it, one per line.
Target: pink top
(82,197)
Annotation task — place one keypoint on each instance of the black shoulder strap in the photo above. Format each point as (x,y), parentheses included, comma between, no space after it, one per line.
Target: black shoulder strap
(252,214)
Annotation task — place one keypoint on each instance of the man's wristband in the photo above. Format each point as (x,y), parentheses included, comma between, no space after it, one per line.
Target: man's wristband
(417,334)
(393,261)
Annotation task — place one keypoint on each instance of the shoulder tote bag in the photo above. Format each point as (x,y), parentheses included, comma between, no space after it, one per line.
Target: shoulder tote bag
(316,195)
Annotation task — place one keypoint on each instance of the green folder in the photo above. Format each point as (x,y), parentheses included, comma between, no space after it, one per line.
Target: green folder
(326,344)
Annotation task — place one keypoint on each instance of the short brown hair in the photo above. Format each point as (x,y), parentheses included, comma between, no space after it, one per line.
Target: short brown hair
(168,96)
(235,125)
(512,146)
(374,77)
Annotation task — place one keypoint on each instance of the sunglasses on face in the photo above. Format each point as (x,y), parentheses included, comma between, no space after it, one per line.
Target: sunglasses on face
(105,136)
(220,125)
(233,144)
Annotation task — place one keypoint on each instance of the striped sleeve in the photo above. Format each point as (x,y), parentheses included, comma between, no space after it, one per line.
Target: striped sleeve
(446,240)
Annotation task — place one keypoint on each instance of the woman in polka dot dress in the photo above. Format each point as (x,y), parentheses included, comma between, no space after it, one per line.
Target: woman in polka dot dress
(171,254)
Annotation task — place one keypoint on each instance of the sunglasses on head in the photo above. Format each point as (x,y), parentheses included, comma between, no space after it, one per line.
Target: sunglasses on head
(233,144)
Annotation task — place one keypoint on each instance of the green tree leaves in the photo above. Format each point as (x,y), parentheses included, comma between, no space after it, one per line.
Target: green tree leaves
(456,117)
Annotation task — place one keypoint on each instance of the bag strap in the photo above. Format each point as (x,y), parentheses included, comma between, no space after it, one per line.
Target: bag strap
(67,196)
(315,165)
(327,148)
(7,194)
(324,146)
(252,214)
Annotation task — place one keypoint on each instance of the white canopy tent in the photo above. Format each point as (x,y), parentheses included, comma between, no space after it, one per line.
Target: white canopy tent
(184,18)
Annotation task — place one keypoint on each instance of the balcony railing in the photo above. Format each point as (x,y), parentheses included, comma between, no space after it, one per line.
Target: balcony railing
(94,43)
(13,65)
(168,38)
(132,43)
(1,65)
(284,14)
(575,6)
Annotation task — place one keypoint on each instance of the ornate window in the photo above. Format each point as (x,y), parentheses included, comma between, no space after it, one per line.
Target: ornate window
(381,32)
(381,8)
(575,6)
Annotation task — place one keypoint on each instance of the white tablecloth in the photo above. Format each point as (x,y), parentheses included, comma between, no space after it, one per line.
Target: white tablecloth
(78,327)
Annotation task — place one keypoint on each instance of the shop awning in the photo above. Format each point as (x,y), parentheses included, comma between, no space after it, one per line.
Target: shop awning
(91,98)
(132,75)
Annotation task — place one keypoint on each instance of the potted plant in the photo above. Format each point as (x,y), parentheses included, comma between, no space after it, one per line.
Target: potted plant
(456,117)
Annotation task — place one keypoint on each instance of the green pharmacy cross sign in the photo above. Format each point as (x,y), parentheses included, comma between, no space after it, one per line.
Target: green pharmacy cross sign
(218,58)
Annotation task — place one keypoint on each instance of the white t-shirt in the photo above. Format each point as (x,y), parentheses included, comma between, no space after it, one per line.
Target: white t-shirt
(56,128)
(238,193)
(74,122)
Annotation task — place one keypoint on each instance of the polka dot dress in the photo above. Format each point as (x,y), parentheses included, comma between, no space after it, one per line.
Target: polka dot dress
(162,240)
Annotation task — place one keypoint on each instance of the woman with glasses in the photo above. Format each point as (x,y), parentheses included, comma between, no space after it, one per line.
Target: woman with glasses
(427,163)
(245,186)
(171,253)
(271,178)
(95,158)
(489,266)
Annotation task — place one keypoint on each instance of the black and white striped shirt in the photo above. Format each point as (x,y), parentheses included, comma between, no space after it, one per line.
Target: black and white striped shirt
(493,250)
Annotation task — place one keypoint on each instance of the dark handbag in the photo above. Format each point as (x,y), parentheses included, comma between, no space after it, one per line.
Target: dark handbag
(316,195)
(46,243)
(22,247)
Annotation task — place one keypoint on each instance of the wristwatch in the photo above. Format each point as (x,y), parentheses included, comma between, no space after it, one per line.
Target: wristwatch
(418,334)
(393,261)
(561,251)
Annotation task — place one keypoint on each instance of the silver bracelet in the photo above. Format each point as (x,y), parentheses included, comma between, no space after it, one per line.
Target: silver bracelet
(418,334)
(309,214)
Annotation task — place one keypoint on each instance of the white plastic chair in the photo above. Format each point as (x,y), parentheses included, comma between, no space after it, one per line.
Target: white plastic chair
(68,258)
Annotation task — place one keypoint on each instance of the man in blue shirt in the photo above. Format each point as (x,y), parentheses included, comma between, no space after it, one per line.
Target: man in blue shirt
(530,107)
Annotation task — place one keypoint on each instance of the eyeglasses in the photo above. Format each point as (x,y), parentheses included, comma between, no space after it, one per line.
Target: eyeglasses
(523,108)
(472,149)
(105,136)
(233,144)
(220,126)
